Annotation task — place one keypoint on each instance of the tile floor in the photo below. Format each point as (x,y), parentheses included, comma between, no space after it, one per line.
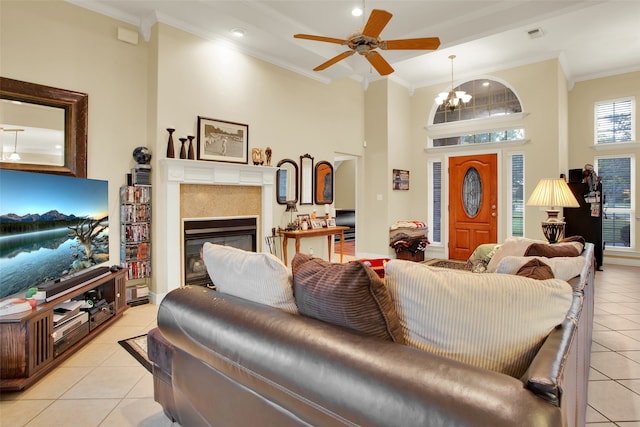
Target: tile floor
(102,385)
(614,381)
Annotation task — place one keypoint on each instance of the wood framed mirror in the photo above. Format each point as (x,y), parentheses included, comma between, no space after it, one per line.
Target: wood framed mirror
(287,182)
(323,191)
(44,128)
(306,179)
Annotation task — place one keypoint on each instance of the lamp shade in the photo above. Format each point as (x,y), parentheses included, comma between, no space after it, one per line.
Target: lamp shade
(553,193)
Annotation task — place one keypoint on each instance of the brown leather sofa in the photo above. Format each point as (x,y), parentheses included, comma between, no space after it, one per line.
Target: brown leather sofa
(223,361)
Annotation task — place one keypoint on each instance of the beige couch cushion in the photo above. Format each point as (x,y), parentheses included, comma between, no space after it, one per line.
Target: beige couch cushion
(254,276)
(494,321)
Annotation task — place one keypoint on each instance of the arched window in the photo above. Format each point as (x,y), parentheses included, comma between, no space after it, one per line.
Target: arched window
(489,99)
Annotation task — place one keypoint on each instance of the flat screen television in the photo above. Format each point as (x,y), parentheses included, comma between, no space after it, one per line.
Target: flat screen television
(52,227)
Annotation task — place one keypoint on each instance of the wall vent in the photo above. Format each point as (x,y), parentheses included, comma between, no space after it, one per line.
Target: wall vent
(535,33)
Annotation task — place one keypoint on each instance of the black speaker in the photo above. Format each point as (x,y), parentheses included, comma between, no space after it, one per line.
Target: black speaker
(575,175)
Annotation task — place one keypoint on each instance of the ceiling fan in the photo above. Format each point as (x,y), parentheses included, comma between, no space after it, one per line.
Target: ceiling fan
(366,41)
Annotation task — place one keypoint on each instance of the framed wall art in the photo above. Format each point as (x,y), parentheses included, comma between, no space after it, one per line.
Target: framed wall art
(400,179)
(222,141)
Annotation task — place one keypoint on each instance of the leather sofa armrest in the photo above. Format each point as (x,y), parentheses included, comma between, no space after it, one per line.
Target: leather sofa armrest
(544,376)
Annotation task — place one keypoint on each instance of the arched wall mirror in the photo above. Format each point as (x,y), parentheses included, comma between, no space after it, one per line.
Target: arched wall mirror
(323,192)
(287,181)
(306,180)
(44,128)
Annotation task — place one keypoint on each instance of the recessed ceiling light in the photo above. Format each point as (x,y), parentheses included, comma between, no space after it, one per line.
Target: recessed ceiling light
(485,84)
(356,11)
(238,32)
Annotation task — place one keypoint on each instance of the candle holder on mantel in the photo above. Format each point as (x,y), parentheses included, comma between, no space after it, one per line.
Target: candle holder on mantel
(170,151)
(183,150)
(191,152)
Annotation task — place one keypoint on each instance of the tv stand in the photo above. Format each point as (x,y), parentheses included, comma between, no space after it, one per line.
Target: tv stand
(27,350)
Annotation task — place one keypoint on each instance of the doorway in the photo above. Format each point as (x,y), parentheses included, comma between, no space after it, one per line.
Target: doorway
(473,201)
(345,170)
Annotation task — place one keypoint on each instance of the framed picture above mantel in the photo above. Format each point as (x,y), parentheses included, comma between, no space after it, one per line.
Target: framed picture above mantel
(222,141)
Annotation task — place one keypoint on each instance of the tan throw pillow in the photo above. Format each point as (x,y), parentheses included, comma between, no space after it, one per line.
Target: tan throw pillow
(493,321)
(254,276)
(563,268)
(535,269)
(513,246)
(349,295)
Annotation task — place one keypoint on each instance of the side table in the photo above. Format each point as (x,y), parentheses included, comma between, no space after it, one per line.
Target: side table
(318,232)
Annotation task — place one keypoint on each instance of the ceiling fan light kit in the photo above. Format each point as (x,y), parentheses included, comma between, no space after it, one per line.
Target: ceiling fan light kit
(451,100)
(366,41)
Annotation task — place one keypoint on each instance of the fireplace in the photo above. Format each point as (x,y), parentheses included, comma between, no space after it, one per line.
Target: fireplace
(240,233)
(215,188)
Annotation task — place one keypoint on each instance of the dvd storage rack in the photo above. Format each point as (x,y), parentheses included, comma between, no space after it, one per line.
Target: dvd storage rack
(135,230)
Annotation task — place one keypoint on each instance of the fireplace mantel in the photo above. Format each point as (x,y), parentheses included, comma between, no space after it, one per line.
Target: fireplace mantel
(167,222)
(216,173)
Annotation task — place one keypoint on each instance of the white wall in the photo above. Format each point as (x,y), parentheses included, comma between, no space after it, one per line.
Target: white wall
(291,114)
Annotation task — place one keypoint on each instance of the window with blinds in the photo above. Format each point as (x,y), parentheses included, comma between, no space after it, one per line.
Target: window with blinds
(516,173)
(614,121)
(436,202)
(618,180)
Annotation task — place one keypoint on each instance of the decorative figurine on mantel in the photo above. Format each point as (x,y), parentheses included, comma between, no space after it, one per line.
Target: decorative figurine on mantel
(170,151)
(183,149)
(191,150)
(268,153)
(256,155)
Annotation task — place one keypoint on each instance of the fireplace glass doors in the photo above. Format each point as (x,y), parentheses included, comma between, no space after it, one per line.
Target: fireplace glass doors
(240,233)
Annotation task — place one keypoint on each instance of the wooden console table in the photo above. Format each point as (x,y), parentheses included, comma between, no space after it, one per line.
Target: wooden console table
(318,232)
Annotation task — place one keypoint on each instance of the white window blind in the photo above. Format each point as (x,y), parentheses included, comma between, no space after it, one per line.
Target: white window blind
(436,208)
(618,187)
(517,195)
(614,121)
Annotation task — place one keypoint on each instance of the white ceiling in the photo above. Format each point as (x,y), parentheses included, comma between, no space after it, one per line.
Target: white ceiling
(592,38)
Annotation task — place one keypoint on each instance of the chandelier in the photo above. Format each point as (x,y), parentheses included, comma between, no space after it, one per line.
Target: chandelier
(451,100)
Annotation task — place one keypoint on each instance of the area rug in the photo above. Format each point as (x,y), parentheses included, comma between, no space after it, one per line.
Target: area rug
(448,263)
(137,347)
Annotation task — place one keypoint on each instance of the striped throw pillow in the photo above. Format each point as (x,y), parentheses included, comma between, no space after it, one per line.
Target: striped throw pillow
(493,321)
(349,295)
(254,276)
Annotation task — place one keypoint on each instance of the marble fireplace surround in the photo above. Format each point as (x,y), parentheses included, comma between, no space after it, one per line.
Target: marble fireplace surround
(189,189)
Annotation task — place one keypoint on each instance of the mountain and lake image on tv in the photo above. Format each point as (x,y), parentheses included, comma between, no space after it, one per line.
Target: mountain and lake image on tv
(52,227)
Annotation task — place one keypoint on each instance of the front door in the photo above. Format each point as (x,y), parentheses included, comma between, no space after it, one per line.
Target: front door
(473,201)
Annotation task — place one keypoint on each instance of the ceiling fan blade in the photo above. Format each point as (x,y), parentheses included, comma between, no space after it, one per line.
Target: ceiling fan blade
(430,43)
(376,23)
(333,60)
(379,63)
(320,38)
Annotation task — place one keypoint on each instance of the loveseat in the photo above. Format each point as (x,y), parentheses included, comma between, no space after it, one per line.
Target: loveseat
(224,360)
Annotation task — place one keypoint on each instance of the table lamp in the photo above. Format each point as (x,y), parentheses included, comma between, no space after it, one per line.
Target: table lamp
(553,193)
(291,208)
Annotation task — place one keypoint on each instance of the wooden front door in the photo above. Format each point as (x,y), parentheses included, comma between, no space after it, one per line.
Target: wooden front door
(473,203)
